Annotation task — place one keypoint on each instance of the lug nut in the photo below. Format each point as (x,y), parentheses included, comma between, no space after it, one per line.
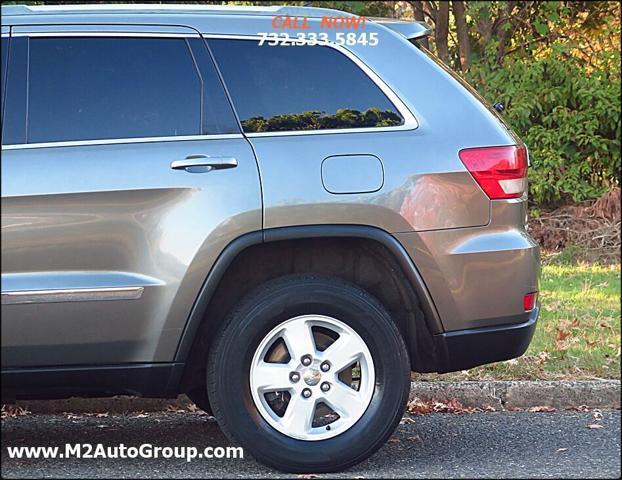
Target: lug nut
(306,360)
(306,393)
(294,376)
(325,366)
(325,387)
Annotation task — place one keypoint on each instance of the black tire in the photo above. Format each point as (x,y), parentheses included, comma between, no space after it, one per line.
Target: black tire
(263,309)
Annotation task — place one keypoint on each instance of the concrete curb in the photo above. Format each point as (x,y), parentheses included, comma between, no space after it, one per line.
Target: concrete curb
(500,395)
(509,395)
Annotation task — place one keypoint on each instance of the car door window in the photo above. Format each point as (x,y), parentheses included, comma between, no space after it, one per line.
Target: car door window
(102,88)
(14,108)
(218,116)
(95,88)
(4,51)
(281,88)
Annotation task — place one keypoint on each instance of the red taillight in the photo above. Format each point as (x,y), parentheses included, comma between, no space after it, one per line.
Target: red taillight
(529,301)
(500,171)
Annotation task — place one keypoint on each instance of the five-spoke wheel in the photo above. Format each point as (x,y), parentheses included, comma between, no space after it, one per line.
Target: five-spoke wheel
(321,387)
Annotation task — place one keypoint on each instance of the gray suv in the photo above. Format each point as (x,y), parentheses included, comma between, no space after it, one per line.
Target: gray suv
(281,230)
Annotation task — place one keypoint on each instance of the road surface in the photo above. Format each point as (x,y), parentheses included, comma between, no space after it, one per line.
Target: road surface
(493,444)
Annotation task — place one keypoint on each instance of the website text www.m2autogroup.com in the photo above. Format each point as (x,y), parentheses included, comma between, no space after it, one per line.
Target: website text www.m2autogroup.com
(90,451)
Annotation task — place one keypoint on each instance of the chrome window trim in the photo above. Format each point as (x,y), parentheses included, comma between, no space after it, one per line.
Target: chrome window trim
(71,295)
(122,141)
(148,8)
(115,33)
(410,121)
(329,131)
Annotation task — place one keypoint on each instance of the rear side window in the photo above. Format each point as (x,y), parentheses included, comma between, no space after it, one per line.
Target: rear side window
(288,88)
(95,88)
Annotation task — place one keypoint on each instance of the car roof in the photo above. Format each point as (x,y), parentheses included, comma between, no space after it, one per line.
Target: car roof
(201,17)
(154,8)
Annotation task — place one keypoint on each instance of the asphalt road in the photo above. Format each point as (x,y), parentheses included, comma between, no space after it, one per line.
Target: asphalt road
(496,444)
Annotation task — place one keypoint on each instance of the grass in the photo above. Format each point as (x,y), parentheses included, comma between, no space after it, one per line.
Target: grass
(578,333)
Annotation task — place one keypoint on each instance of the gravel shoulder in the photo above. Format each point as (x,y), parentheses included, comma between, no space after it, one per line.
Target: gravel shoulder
(495,444)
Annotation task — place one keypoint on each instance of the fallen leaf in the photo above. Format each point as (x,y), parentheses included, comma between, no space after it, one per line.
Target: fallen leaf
(543,357)
(418,407)
(561,335)
(581,408)
(543,408)
(13,411)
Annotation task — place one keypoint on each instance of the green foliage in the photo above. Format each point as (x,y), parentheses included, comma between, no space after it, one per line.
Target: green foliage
(569,118)
(564,104)
(315,120)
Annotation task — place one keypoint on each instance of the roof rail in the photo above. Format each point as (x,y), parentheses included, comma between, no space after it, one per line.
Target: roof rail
(15,10)
(311,12)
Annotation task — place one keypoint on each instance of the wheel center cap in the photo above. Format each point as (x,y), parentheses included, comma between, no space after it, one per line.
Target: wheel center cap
(312,376)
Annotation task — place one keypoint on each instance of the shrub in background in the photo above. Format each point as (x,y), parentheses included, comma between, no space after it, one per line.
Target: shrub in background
(568,115)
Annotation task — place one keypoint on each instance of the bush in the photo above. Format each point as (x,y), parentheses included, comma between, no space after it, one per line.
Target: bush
(568,114)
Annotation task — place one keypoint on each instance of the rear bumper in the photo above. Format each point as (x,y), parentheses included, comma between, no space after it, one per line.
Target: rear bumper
(463,349)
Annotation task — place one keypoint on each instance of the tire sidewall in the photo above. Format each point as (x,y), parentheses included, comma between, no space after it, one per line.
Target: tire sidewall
(248,327)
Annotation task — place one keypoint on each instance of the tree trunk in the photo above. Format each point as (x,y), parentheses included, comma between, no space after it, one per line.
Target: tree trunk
(464,43)
(420,17)
(442,31)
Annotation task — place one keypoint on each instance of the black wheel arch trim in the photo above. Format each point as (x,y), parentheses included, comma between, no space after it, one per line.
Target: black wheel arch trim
(295,233)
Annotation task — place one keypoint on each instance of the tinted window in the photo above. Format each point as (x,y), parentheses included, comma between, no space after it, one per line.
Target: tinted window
(218,116)
(99,88)
(280,88)
(14,120)
(4,50)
